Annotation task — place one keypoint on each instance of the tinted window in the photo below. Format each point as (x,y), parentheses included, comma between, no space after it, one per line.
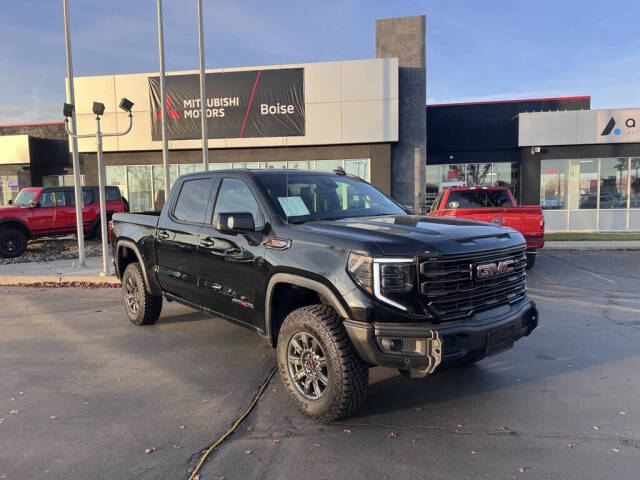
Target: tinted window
(112,194)
(87,197)
(235,196)
(60,198)
(46,199)
(478,199)
(193,200)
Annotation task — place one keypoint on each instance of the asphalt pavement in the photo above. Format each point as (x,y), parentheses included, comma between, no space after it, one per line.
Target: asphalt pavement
(91,393)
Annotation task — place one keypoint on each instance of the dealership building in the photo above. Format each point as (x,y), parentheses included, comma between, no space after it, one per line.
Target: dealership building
(367,116)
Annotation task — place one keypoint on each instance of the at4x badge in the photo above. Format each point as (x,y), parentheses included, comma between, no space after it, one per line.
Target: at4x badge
(242,303)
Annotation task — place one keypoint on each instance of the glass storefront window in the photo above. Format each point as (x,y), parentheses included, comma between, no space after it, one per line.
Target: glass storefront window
(328,165)
(614,176)
(635,183)
(220,166)
(158,184)
(301,165)
(140,188)
(191,168)
(9,188)
(583,184)
(453,173)
(273,165)
(554,179)
(479,174)
(359,168)
(117,177)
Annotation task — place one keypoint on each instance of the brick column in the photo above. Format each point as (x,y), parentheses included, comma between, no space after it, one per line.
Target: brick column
(405,38)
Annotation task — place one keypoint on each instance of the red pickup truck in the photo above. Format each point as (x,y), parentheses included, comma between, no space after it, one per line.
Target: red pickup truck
(494,205)
(49,212)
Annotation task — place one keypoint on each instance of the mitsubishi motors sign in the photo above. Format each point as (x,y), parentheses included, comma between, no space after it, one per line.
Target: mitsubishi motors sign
(246,104)
(618,126)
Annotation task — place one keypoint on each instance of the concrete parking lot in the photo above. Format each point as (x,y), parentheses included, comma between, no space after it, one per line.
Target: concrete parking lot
(90,393)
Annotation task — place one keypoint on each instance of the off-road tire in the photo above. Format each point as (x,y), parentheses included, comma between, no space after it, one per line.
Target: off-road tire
(13,242)
(531,260)
(148,306)
(347,373)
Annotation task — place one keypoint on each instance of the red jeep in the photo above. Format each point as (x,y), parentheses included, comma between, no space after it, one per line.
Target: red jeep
(494,205)
(50,212)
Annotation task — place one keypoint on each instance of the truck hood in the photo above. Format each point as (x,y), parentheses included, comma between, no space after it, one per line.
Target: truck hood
(412,235)
(10,210)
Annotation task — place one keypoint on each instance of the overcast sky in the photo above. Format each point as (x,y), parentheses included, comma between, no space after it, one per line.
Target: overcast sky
(476,50)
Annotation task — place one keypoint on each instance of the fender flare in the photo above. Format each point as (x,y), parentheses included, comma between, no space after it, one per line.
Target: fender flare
(320,288)
(16,220)
(134,248)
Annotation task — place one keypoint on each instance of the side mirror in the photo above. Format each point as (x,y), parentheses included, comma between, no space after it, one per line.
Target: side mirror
(236,222)
(34,204)
(10,202)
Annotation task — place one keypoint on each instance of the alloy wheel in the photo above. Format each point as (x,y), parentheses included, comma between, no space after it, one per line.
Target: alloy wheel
(307,365)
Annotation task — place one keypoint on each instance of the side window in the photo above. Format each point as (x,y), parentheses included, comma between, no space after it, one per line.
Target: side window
(112,195)
(436,203)
(193,199)
(236,196)
(87,197)
(46,199)
(60,199)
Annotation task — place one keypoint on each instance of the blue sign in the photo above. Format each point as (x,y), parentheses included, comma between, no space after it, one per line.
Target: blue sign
(12,184)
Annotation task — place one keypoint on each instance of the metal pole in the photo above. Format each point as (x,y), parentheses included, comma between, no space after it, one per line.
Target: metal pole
(203,92)
(163,103)
(77,184)
(419,182)
(103,207)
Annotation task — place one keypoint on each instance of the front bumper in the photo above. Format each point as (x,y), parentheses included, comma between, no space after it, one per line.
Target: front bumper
(441,345)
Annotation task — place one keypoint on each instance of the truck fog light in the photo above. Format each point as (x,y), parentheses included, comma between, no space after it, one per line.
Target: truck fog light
(402,345)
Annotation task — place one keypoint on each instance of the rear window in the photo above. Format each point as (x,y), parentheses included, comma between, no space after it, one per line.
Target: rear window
(478,199)
(192,202)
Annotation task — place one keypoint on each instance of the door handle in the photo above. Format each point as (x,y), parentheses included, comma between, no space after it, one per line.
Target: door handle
(163,234)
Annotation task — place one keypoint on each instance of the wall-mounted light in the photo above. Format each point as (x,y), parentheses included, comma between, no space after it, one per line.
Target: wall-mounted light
(535,150)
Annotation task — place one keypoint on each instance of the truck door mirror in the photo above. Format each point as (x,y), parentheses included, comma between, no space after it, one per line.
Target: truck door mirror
(34,204)
(236,222)
(10,202)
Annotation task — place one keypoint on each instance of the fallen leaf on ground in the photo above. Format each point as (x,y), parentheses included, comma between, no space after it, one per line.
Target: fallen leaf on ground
(615,450)
(15,411)
(53,417)
(20,393)
(596,427)
(316,444)
(247,452)
(473,452)
(572,444)
(523,469)
(149,450)
(177,446)
(181,427)
(346,430)
(392,435)
(417,409)
(622,413)
(275,440)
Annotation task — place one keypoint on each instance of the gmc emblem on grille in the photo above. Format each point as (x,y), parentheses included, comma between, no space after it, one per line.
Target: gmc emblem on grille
(486,270)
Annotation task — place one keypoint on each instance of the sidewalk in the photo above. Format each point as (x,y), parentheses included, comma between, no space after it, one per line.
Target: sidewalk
(592,245)
(62,272)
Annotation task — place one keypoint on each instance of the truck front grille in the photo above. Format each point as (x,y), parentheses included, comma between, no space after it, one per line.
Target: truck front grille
(450,286)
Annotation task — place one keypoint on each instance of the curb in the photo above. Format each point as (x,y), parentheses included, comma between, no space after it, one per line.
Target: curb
(60,281)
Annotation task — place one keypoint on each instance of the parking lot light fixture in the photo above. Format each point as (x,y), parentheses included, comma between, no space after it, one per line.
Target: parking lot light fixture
(98,110)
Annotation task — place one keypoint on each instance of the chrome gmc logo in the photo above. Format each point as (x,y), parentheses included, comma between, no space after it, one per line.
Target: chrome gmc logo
(487,270)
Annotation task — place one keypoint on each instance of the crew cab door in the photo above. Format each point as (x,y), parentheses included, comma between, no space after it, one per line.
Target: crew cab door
(177,238)
(231,264)
(43,216)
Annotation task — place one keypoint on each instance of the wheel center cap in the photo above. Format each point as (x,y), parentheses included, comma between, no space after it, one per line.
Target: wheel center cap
(309,364)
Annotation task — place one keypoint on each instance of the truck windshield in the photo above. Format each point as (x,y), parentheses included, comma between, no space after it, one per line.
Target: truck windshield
(304,197)
(478,199)
(24,198)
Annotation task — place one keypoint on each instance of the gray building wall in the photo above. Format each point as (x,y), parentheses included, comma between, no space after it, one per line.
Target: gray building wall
(405,38)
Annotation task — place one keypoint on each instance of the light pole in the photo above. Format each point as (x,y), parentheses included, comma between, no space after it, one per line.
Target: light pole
(98,109)
(203,92)
(77,184)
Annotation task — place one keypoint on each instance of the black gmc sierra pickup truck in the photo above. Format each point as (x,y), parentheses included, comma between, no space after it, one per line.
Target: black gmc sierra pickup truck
(333,273)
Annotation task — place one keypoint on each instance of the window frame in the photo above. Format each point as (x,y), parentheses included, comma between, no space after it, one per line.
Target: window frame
(208,211)
(261,209)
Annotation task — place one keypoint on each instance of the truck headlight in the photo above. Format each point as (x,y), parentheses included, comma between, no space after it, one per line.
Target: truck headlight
(388,279)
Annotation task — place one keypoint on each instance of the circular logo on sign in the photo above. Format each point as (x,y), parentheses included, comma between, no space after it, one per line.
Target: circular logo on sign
(454,204)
